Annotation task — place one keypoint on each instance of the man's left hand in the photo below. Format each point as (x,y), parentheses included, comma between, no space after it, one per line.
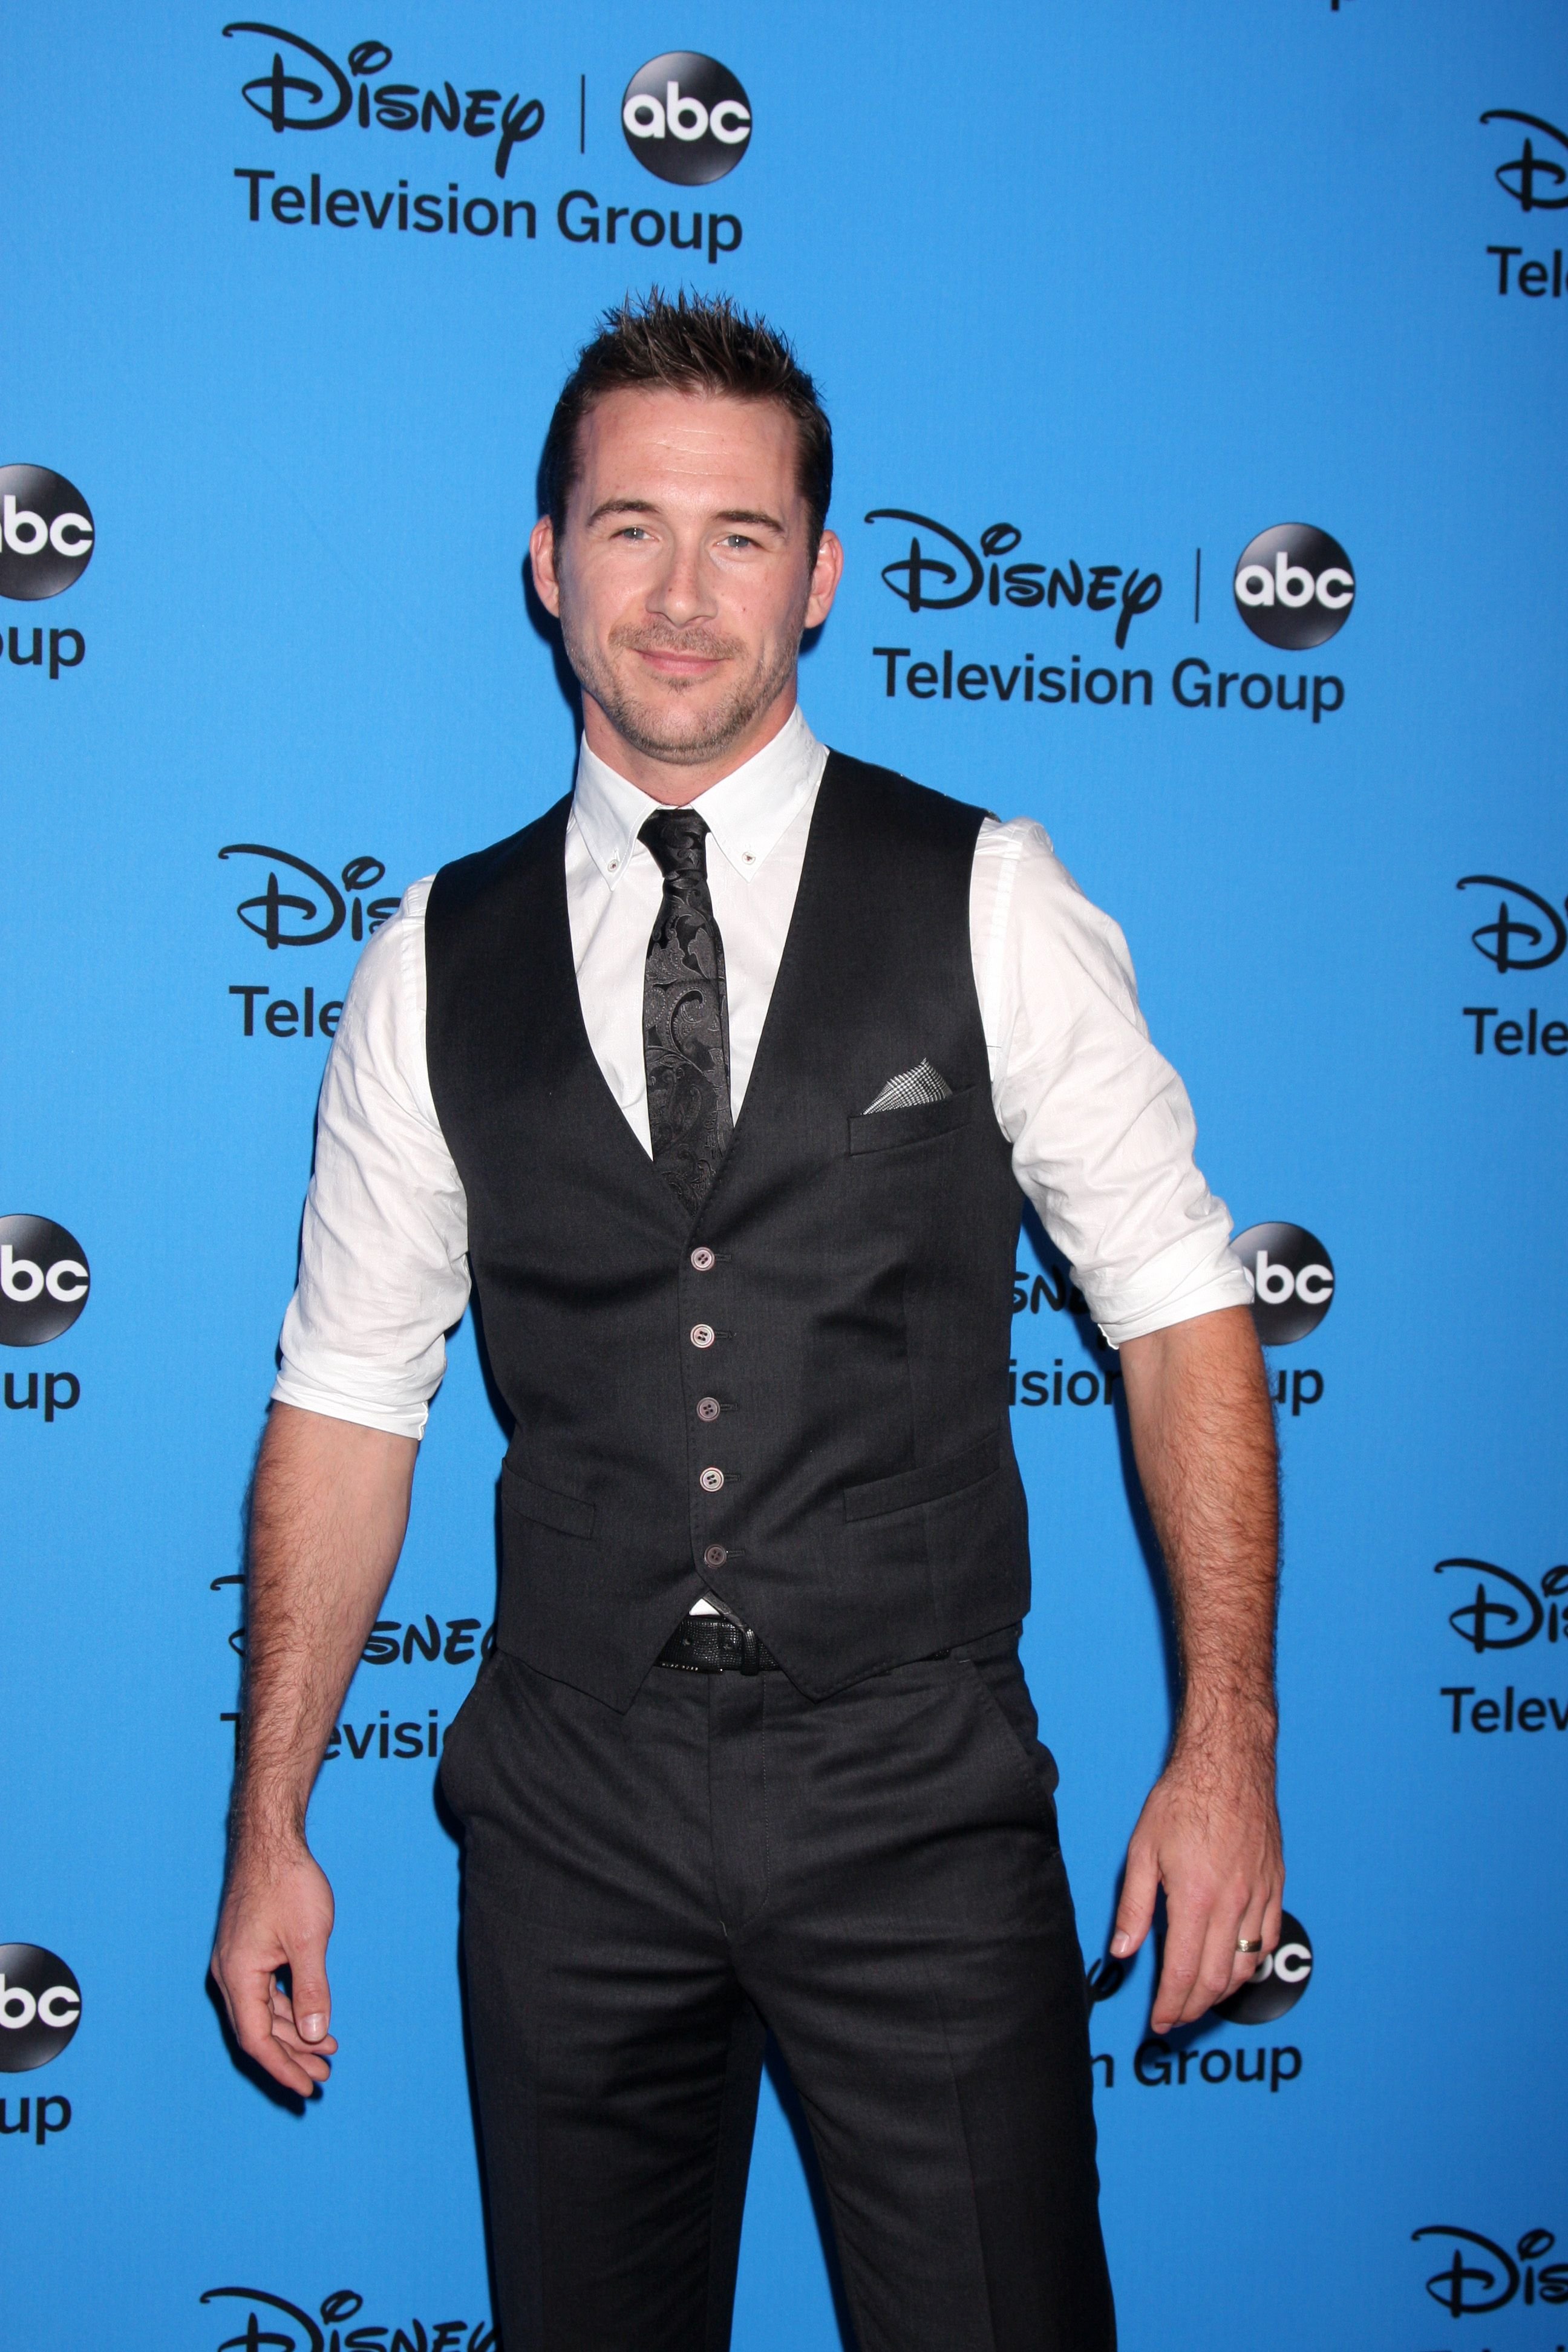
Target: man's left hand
(1209,1834)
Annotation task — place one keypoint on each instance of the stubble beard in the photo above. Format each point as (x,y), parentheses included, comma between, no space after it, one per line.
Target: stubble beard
(670,729)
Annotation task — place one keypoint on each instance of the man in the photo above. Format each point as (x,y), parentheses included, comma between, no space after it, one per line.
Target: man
(723,1080)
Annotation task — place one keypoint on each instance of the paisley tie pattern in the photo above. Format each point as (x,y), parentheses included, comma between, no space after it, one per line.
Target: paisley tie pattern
(685,1018)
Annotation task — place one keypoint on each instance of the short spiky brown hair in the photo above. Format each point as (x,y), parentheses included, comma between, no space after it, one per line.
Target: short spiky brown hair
(695,344)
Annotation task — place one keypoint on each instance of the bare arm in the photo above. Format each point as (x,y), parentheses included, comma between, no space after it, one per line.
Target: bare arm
(328,1510)
(1204,1437)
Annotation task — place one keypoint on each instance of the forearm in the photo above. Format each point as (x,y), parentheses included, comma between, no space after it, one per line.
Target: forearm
(1202,1434)
(329,1511)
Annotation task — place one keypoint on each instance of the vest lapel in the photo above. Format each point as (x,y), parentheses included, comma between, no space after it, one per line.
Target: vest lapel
(792,1001)
(557,1009)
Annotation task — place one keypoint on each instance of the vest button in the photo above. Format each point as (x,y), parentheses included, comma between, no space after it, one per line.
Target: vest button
(710,1480)
(702,1335)
(715,1556)
(708,1408)
(702,1259)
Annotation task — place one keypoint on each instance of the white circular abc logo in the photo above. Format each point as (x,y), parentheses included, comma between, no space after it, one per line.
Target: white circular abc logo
(1292,1280)
(44,1281)
(40,2007)
(686,117)
(45,534)
(1294,586)
(1280,1979)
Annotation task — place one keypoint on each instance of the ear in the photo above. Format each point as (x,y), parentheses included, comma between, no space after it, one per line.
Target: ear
(827,572)
(542,555)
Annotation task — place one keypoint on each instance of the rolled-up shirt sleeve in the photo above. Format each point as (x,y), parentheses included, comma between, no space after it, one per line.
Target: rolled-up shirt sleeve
(383,1272)
(1101,1130)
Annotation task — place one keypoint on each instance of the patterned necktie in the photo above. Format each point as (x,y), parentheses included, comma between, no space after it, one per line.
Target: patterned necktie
(685,1018)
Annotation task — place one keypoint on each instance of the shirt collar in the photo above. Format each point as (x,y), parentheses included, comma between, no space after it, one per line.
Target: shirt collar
(747,812)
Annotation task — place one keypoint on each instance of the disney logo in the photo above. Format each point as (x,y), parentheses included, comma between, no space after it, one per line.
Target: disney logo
(299,100)
(940,577)
(1530,172)
(1494,1621)
(1510,928)
(328,909)
(1469,2285)
(304,2334)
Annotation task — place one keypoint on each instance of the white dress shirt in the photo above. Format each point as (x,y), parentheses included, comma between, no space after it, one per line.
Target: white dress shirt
(1099,1125)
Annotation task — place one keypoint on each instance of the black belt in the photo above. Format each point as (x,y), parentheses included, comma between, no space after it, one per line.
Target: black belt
(717,1645)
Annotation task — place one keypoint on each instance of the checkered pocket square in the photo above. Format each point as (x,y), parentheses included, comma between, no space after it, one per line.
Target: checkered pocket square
(920,1085)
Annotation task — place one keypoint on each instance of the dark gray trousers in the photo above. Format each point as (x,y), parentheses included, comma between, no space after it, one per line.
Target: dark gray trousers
(875,1875)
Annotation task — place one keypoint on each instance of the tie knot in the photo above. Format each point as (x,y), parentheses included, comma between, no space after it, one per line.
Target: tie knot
(674,838)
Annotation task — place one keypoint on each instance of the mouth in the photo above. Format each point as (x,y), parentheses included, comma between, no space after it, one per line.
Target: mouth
(681,669)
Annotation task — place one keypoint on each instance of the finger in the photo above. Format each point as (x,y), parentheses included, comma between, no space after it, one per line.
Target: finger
(214,1971)
(305,2056)
(1260,1924)
(1252,1929)
(250,2014)
(296,2074)
(1135,1912)
(1244,1967)
(283,2029)
(246,1996)
(1241,1967)
(311,2000)
(300,2066)
(1216,1978)
(1185,1938)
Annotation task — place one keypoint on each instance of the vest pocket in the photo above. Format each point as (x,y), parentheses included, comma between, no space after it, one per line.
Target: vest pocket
(877,1130)
(569,1514)
(934,1480)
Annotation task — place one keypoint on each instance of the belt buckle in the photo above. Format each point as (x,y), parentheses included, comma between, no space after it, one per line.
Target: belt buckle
(735,1638)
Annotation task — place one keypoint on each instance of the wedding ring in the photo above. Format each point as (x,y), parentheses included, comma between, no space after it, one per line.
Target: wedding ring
(1249,1944)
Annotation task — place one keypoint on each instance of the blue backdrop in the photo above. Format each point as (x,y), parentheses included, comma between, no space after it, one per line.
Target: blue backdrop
(1118,288)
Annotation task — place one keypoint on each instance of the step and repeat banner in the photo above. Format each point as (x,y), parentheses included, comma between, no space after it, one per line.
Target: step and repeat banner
(1197,375)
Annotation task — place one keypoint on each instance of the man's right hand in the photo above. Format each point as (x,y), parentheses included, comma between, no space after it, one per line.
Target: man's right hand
(328,1509)
(278,1913)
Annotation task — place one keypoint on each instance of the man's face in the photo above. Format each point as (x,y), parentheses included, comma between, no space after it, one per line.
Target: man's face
(682,578)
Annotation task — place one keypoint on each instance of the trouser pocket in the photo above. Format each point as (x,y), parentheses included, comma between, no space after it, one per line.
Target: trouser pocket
(995,1667)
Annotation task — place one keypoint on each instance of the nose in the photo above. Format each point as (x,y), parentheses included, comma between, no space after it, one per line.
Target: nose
(683,593)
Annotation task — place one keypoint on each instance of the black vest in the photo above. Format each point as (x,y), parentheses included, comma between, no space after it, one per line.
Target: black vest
(859,1296)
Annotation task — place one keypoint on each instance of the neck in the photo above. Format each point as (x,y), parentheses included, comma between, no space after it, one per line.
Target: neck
(676,783)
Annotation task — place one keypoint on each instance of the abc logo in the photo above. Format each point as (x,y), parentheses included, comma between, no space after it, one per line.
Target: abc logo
(43,1281)
(1279,1982)
(1292,1279)
(45,534)
(1294,586)
(40,2007)
(686,117)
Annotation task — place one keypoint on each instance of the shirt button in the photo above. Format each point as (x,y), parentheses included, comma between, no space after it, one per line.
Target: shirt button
(710,1480)
(702,1259)
(715,1556)
(707,1408)
(702,1335)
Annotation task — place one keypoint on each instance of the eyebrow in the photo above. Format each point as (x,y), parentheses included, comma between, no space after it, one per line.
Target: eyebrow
(646,506)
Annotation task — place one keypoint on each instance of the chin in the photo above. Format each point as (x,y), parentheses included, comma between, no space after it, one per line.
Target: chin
(677,728)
